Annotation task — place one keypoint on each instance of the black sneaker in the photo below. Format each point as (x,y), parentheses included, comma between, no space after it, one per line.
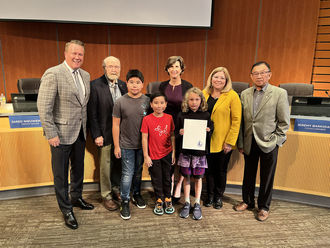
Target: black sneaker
(209,202)
(217,204)
(175,200)
(138,201)
(124,210)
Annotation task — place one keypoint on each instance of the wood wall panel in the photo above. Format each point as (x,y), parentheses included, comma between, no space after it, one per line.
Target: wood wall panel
(324,4)
(321,78)
(188,43)
(96,42)
(136,48)
(321,86)
(321,69)
(322,62)
(28,50)
(287,41)
(232,40)
(322,54)
(322,46)
(324,21)
(323,30)
(2,84)
(320,93)
(325,11)
(322,37)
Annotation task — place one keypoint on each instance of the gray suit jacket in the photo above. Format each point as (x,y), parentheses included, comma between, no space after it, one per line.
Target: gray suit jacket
(270,123)
(60,110)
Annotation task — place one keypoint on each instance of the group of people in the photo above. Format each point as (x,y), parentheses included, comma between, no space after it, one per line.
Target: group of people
(131,128)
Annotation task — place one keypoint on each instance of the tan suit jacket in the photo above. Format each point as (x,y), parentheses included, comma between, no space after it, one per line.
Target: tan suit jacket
(60,110)
(271,122)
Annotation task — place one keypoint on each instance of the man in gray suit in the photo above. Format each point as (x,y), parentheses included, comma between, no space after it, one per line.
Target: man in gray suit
(265,121)
(62,105)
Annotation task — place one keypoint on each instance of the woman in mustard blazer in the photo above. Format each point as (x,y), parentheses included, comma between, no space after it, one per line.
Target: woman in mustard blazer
(225,108)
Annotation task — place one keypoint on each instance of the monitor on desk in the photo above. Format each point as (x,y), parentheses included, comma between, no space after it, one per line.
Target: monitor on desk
(24,102)
(310,106)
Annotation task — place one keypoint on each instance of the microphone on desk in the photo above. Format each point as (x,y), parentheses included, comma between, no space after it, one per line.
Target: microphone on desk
(326,92)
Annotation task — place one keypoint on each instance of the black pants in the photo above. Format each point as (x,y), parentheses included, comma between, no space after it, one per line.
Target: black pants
(267,171)
(216,174)
(160,173)
(60,165)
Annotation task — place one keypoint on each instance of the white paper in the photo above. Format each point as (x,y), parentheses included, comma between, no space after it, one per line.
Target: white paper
(194,135)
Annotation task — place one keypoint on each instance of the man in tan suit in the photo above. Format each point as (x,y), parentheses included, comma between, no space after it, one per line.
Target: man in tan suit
(62,106)
(265,121)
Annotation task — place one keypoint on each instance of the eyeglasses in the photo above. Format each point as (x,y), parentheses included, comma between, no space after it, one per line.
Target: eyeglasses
(113,67)
(262,73)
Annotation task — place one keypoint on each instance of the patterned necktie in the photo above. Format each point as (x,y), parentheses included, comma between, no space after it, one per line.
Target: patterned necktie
(114,93)
(79,86)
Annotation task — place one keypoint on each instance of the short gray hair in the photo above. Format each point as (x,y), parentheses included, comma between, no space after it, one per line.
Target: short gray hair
(110,58)
(77,42)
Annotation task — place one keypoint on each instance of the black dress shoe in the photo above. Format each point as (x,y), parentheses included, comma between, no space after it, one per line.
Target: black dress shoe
(82,204)
(217,204)
(209,202)
(175,200)
(70,220)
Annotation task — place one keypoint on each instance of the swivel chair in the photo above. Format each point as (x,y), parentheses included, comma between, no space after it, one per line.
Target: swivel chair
(153,87)
(297,89)
(239,86)
(28,85)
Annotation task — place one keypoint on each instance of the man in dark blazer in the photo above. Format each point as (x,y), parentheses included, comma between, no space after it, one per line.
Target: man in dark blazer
(62,104)
(265,121)
(104,92)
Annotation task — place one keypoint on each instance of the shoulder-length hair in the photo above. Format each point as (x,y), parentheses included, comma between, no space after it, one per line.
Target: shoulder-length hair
(228,86)
(185,106)
(171,61)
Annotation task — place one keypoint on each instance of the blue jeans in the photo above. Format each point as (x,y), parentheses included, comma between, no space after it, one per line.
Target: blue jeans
(132,162)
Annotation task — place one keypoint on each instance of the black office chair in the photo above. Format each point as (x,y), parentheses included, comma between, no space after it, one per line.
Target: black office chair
(239,86)
(153,87)
(28,85)
(297,89)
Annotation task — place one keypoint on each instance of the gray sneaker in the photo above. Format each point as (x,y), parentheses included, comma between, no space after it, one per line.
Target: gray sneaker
(185,210)
(197,213)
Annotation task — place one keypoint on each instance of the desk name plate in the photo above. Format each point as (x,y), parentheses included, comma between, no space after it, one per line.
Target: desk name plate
(24,121)
(312,126)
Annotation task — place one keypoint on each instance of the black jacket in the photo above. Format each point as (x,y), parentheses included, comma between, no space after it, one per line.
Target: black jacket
(100,107)
(198,115)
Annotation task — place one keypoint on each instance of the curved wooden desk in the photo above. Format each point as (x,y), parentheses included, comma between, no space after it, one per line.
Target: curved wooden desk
(303,162)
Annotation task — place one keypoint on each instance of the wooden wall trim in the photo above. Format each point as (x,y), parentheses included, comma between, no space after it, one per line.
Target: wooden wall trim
(243,32)
(321,66)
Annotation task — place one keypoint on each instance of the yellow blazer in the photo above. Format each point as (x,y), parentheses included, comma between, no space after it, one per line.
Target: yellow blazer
(226,116)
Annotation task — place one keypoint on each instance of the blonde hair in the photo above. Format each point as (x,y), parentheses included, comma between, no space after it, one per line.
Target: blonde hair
(185,105)
(228,86)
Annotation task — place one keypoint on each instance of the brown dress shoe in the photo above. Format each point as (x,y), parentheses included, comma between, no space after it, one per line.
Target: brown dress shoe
(241,207)
(116,196)
(110,205)
(262,215)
